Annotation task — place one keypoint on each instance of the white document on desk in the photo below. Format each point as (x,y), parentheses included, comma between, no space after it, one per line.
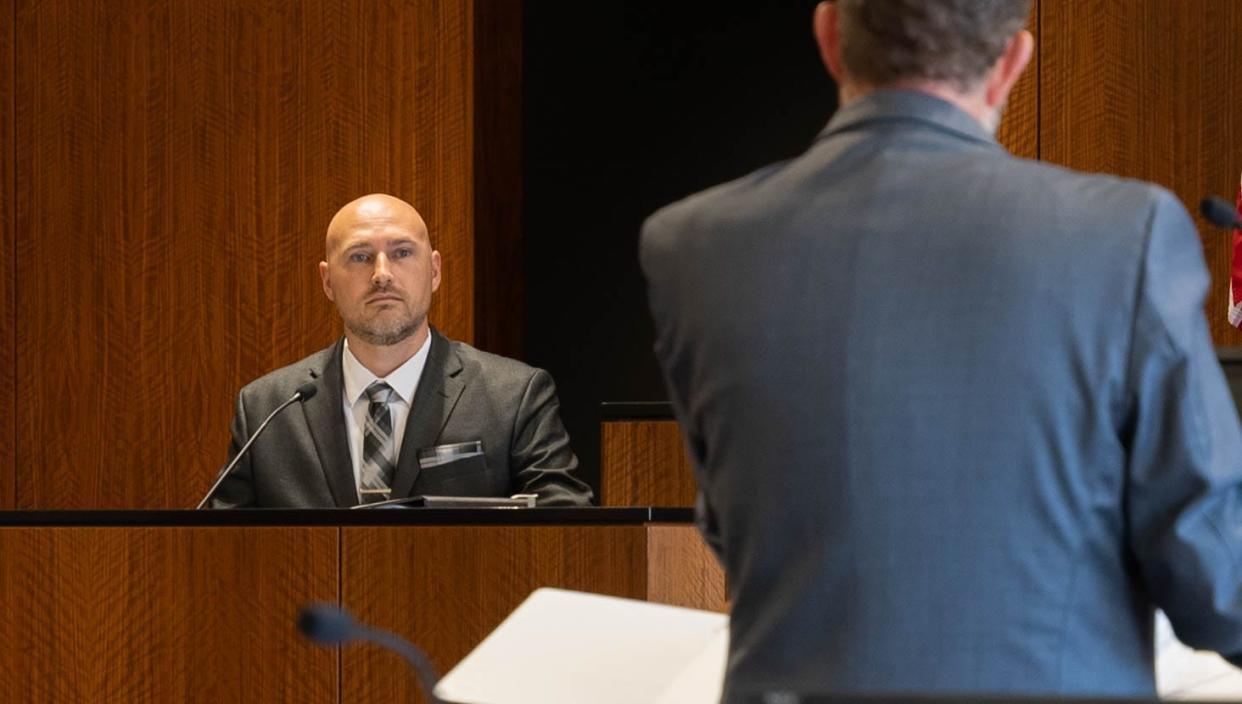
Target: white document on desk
(561,646)
(1184,673)
(571,647)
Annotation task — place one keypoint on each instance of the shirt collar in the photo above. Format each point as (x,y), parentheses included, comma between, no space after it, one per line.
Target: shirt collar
(404,379)
(907,106)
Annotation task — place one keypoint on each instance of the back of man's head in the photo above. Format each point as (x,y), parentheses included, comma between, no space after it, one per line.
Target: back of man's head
(886,42)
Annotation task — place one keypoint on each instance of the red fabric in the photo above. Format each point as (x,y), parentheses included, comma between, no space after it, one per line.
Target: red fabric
(1235,275)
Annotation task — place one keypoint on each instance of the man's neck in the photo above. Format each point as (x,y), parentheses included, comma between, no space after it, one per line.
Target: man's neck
(382,360)
(972,103)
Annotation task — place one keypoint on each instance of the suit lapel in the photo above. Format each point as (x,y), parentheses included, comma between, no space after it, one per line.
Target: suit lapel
(326,419)
(438,390)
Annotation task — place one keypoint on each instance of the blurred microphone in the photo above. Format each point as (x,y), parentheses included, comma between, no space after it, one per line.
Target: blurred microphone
(303,392)
(1220,213)
(329,625)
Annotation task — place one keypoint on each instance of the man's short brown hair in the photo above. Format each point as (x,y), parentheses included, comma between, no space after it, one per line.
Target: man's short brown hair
(954,41)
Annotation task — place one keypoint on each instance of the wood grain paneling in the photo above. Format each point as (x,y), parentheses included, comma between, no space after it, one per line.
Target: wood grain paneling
(498,243)
(446,588)
(163,614)
(681,569)
(644,463)
(1145,90)
(1019,130)
(177,165)
(8,381)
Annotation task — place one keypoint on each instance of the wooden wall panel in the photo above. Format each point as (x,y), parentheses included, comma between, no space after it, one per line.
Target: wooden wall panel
(1019,130)
(1146,90)
(178,163)
(681,569)
(499,250)
(384,570)
(8,381)
(116,614)
(644,463)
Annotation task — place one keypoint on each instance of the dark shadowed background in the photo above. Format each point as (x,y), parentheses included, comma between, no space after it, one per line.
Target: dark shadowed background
(627,107)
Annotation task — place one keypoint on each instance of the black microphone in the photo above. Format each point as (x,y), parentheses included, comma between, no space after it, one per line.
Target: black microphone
(330,625)
(303,392)
(1217,211)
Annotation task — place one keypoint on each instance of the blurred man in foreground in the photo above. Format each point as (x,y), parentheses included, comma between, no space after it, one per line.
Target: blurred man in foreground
(957,421)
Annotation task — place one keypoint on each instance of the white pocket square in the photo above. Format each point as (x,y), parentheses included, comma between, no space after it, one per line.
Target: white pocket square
(443,454)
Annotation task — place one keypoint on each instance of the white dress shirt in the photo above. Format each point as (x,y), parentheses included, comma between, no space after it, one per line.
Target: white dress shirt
(403,380)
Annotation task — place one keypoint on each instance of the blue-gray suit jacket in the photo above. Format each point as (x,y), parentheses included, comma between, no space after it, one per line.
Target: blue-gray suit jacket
(956,416)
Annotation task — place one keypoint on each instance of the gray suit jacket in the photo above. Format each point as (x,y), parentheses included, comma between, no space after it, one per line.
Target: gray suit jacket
(957,420)
(302,460)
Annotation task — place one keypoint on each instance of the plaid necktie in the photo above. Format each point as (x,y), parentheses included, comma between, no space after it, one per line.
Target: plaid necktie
(377,445)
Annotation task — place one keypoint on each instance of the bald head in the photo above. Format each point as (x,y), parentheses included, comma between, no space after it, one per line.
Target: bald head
(370,211)
(380,270)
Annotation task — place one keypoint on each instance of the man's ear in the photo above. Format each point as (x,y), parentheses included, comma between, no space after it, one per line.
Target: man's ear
(326,280)
(435,270)
(1008,68)
(826,24)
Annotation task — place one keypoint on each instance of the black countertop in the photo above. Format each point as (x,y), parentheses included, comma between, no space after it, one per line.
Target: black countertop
(349,517)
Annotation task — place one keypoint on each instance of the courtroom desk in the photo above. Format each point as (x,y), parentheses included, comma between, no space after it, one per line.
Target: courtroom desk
(200,605)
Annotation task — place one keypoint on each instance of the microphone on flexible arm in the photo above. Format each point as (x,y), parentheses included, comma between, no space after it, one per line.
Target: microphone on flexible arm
(330,625)
(302,393)
(1220,213)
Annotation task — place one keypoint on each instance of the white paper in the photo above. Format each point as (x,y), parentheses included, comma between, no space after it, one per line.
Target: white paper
(702,681)
(563,647)
(1184,673)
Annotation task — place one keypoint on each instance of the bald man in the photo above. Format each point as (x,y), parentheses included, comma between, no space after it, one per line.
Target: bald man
(398,410)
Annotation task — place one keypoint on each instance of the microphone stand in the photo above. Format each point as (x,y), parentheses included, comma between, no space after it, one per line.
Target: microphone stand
(300,395)
(327,624)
